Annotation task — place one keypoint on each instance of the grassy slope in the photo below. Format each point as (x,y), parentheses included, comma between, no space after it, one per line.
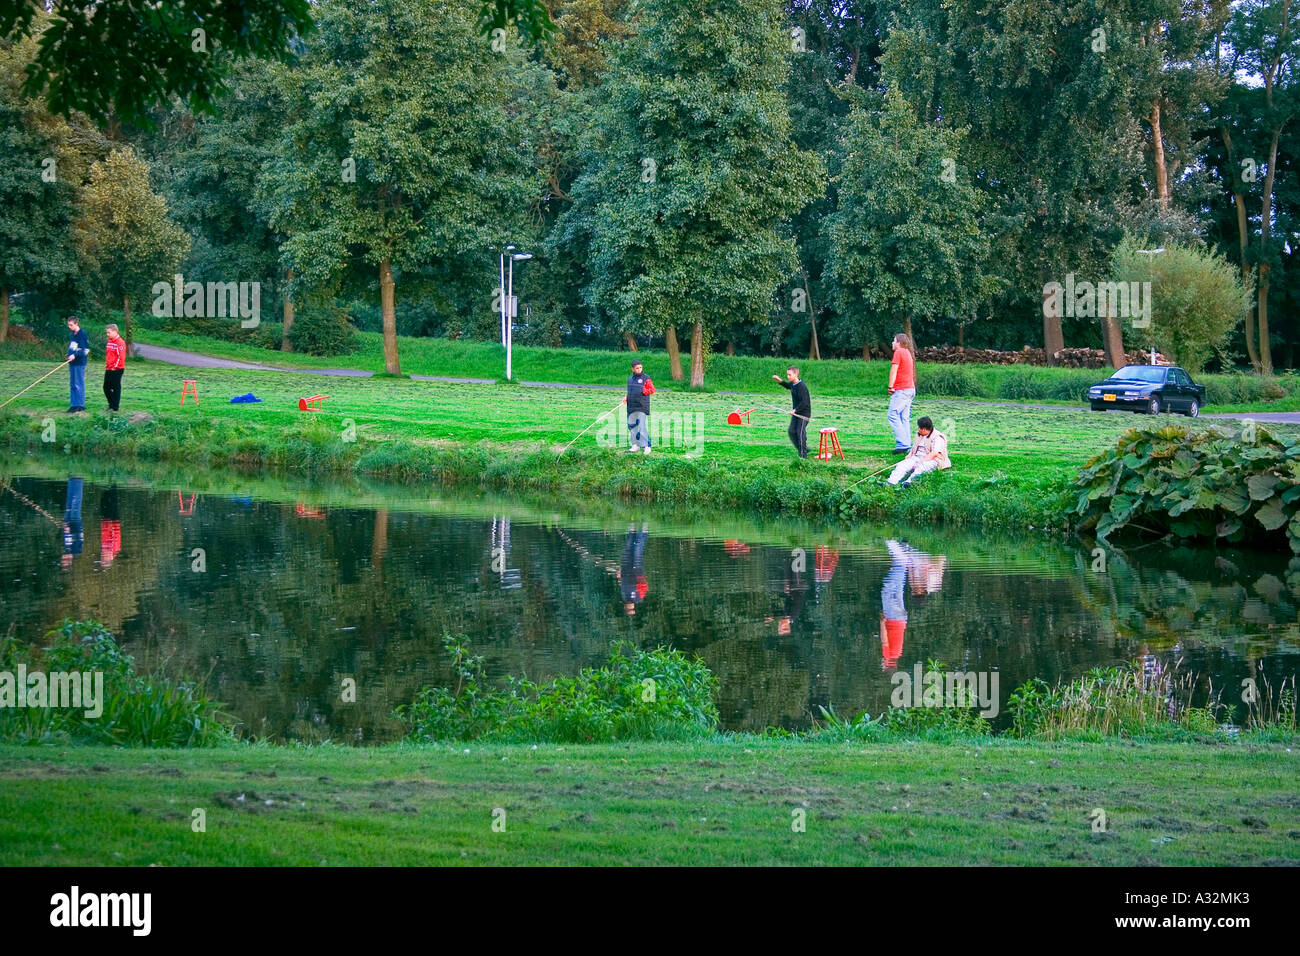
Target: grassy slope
(1008,461)
(967,801)
(842,377)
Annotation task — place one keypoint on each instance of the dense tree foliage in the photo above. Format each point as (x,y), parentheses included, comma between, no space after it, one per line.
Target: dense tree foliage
(796,178)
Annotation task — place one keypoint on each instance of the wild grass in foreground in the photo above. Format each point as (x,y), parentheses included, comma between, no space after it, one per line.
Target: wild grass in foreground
(127,709)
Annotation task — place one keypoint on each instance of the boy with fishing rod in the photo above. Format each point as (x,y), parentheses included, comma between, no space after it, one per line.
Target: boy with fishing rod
(801,414)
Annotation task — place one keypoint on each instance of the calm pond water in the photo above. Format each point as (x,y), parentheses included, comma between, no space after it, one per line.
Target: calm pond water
(273,593)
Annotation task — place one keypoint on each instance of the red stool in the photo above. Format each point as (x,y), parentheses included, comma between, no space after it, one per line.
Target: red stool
(311,403)
(738,417)
(830,446)
(189,386)
(187,508)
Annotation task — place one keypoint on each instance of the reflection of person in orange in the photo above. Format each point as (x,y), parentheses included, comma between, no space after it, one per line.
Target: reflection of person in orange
(110,528)
(926,574)
(796,589)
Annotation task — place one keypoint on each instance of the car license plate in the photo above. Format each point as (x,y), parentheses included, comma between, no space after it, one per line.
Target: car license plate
(1109,396)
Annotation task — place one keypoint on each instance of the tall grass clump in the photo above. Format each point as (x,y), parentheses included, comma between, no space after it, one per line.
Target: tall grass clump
(1271,714)
(137,710)
(636,695)
(1113,702)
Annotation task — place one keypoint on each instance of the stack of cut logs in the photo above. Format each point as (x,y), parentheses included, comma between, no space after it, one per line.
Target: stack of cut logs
(1067,358)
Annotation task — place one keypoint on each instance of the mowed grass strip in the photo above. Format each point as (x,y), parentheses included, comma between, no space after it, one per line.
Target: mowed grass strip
(1011,464)
(968,801)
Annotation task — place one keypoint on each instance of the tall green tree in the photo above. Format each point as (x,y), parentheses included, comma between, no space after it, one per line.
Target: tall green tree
(122,57)
(689,172)
(908,240)
(1058,100)
(399,153)
(126,239)
(45,159)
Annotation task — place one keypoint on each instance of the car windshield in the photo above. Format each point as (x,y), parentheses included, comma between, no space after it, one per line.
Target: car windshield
(1141,373)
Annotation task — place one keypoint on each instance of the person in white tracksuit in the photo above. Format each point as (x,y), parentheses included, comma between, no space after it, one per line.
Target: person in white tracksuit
(929,453)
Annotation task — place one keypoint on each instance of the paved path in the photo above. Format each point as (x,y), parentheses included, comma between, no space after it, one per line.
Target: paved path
(197,360)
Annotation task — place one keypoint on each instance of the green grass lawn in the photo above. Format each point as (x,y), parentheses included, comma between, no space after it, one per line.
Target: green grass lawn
(1009,462)
(838,377)
(964,801)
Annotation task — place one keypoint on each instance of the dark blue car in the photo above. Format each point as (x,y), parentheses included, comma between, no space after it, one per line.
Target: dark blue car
(1149,388)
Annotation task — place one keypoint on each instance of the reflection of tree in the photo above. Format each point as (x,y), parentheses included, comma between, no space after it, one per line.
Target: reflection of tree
(1160,596)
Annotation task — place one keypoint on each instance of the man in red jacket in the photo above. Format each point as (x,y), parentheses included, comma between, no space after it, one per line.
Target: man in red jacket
(114,366)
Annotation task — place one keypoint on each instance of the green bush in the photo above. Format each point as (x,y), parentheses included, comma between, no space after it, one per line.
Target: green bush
(647,695)
(1219,483)
(1238,389)
(948,380)
(323,330)
(1019,384)
(138,711)
(1197,298)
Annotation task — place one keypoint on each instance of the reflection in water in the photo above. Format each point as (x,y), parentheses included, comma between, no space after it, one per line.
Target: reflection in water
(926,575)
(73,536)
(296,593)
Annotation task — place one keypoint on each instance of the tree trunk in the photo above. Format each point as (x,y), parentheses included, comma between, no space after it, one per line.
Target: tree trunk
(631,342)
(697,355)
(388,306)
(1265,351)
(288,318)
(674,354)
(1053,336)
(1158,156)
(379,541)
(4,314)
(126,324)
(907,328)
(731,348)
(1251,351)
(1243,241)
(1112,341)
(814,348)
(866,353)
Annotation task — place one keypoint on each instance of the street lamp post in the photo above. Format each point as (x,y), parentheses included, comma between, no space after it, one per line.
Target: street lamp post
(1151,257)
(511,307)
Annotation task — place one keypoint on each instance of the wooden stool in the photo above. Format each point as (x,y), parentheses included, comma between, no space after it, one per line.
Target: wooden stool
(830,445)
(190,386)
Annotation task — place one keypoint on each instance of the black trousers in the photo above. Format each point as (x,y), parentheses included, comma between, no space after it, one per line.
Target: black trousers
(113,386)
(799,435)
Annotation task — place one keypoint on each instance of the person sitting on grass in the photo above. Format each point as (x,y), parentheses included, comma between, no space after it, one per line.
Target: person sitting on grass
(929,453)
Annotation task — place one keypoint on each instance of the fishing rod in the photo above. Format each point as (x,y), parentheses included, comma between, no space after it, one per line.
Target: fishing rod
(41,379)
(588,428)
(865,477)
(777,408)
(28,501)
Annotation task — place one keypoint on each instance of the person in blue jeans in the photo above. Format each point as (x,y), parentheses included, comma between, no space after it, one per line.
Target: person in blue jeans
(902,389)
(78,352)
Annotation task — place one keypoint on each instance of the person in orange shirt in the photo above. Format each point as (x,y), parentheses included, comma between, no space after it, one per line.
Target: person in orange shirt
(902,389)
(114,366)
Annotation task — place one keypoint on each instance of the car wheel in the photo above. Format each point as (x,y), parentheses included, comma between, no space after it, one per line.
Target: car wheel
(1097,407)
(1153,406)
(1193,409)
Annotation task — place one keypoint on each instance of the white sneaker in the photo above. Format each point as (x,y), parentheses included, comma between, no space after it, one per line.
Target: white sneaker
(634,449)
(647,449)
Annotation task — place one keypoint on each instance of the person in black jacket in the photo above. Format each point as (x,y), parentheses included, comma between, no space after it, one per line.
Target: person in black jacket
(802,411)
(78,352)
(639,390)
